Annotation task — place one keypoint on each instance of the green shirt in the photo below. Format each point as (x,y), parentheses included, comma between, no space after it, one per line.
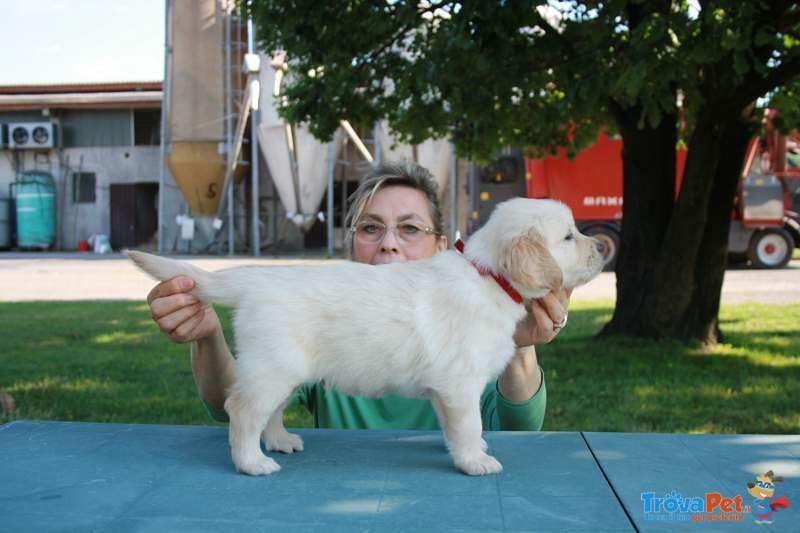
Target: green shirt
(332,409)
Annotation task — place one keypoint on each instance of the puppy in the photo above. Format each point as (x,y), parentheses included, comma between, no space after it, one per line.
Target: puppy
(438,328)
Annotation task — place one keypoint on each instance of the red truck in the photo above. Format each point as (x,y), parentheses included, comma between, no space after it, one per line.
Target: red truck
(765,227)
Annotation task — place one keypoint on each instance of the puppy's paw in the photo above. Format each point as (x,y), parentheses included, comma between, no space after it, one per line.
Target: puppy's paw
(283,442)
(479,465)
(484,445)
(262,466)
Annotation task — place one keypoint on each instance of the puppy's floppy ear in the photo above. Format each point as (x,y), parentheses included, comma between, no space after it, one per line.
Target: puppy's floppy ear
(526,261)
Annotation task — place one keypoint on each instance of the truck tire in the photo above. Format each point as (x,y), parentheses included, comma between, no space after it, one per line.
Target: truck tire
(609,244)
(771,248)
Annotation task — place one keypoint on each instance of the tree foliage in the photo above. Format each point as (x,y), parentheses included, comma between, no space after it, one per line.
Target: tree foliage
(525,74)
(541,75)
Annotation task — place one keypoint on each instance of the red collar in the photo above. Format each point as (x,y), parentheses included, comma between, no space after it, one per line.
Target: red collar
(502,281)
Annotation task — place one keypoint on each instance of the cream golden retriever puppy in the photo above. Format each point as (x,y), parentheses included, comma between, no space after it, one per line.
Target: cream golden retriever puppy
(438,328)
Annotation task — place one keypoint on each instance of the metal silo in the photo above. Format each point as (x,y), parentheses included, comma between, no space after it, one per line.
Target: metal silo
(196,102)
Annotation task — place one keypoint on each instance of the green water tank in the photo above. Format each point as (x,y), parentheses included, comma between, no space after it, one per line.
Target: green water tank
(36,210)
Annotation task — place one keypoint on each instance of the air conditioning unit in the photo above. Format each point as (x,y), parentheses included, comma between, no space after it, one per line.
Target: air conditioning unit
(31,135)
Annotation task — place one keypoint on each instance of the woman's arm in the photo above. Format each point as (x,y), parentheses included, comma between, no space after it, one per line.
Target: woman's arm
(212,368)
(522,377)
(183,318)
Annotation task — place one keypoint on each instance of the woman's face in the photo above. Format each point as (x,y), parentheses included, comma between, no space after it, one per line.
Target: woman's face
(398,208)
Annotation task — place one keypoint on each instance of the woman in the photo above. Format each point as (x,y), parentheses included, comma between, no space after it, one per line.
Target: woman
(394,216)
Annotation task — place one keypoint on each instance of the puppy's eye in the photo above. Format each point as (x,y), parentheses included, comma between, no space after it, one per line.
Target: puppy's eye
(569,237)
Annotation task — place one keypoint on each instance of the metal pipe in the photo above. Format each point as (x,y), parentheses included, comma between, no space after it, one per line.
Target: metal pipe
(291,136)
(329,219)
(241,126)
(473,195)
(376,144)
(229,128)
(163,130)
(752,151)
(255,119)
(453,196)
(274,217)
(255,186)
(233,162)
(356,140)
(343,176)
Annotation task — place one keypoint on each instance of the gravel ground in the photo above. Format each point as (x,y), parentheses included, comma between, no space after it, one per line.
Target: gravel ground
(76,276)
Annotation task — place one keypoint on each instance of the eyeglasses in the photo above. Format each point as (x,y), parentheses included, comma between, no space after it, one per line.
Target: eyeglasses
(372,232)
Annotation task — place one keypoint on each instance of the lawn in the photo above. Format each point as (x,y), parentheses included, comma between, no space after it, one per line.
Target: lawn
(106,361)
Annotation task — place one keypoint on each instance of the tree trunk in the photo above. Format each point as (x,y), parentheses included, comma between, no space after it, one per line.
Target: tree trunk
(648,159)
(666,307)
(673,254)
(702,322)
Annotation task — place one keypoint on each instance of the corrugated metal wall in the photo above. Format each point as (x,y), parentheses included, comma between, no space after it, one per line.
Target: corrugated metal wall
(96,128)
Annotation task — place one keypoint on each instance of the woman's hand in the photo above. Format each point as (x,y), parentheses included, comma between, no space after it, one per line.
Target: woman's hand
(181,316)
(538,326)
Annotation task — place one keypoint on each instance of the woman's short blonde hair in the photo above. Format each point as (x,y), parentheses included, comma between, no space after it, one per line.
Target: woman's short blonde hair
(405,174)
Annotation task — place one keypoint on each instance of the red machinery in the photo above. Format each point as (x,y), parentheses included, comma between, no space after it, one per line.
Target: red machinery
(764,228)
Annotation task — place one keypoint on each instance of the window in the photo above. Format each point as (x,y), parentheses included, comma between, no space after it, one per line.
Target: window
(147,127)
(83,187)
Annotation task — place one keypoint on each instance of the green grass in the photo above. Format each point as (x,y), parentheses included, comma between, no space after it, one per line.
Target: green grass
(106,361)
(748,384)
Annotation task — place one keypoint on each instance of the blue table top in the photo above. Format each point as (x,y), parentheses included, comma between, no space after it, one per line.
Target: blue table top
(62,476)
(694,466)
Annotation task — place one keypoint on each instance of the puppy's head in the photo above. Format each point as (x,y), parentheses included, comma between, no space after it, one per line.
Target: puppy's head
(535,244)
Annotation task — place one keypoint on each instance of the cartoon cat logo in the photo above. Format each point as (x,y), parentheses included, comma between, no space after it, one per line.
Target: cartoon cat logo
(762,491)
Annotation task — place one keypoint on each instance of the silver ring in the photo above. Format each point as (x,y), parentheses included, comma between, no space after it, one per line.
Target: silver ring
(562,323)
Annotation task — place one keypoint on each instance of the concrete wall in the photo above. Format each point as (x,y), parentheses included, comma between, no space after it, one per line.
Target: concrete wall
(118,164)
(131,164)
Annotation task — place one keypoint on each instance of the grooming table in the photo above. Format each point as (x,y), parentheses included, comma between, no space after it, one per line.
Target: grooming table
(70,476)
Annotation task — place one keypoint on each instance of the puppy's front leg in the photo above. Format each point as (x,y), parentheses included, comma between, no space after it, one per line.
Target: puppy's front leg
(460,417)
(439,409)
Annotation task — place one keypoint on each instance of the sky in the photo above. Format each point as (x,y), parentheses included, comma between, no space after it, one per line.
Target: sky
(81,41)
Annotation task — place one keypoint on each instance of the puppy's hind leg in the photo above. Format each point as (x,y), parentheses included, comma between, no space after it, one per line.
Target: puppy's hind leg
(275,436)
(461,422)
(250,403)
(438,408)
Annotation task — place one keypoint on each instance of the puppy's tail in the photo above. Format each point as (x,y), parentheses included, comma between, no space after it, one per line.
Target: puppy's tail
(212,287)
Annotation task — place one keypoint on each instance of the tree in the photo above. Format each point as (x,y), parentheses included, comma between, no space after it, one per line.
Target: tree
(489,75)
